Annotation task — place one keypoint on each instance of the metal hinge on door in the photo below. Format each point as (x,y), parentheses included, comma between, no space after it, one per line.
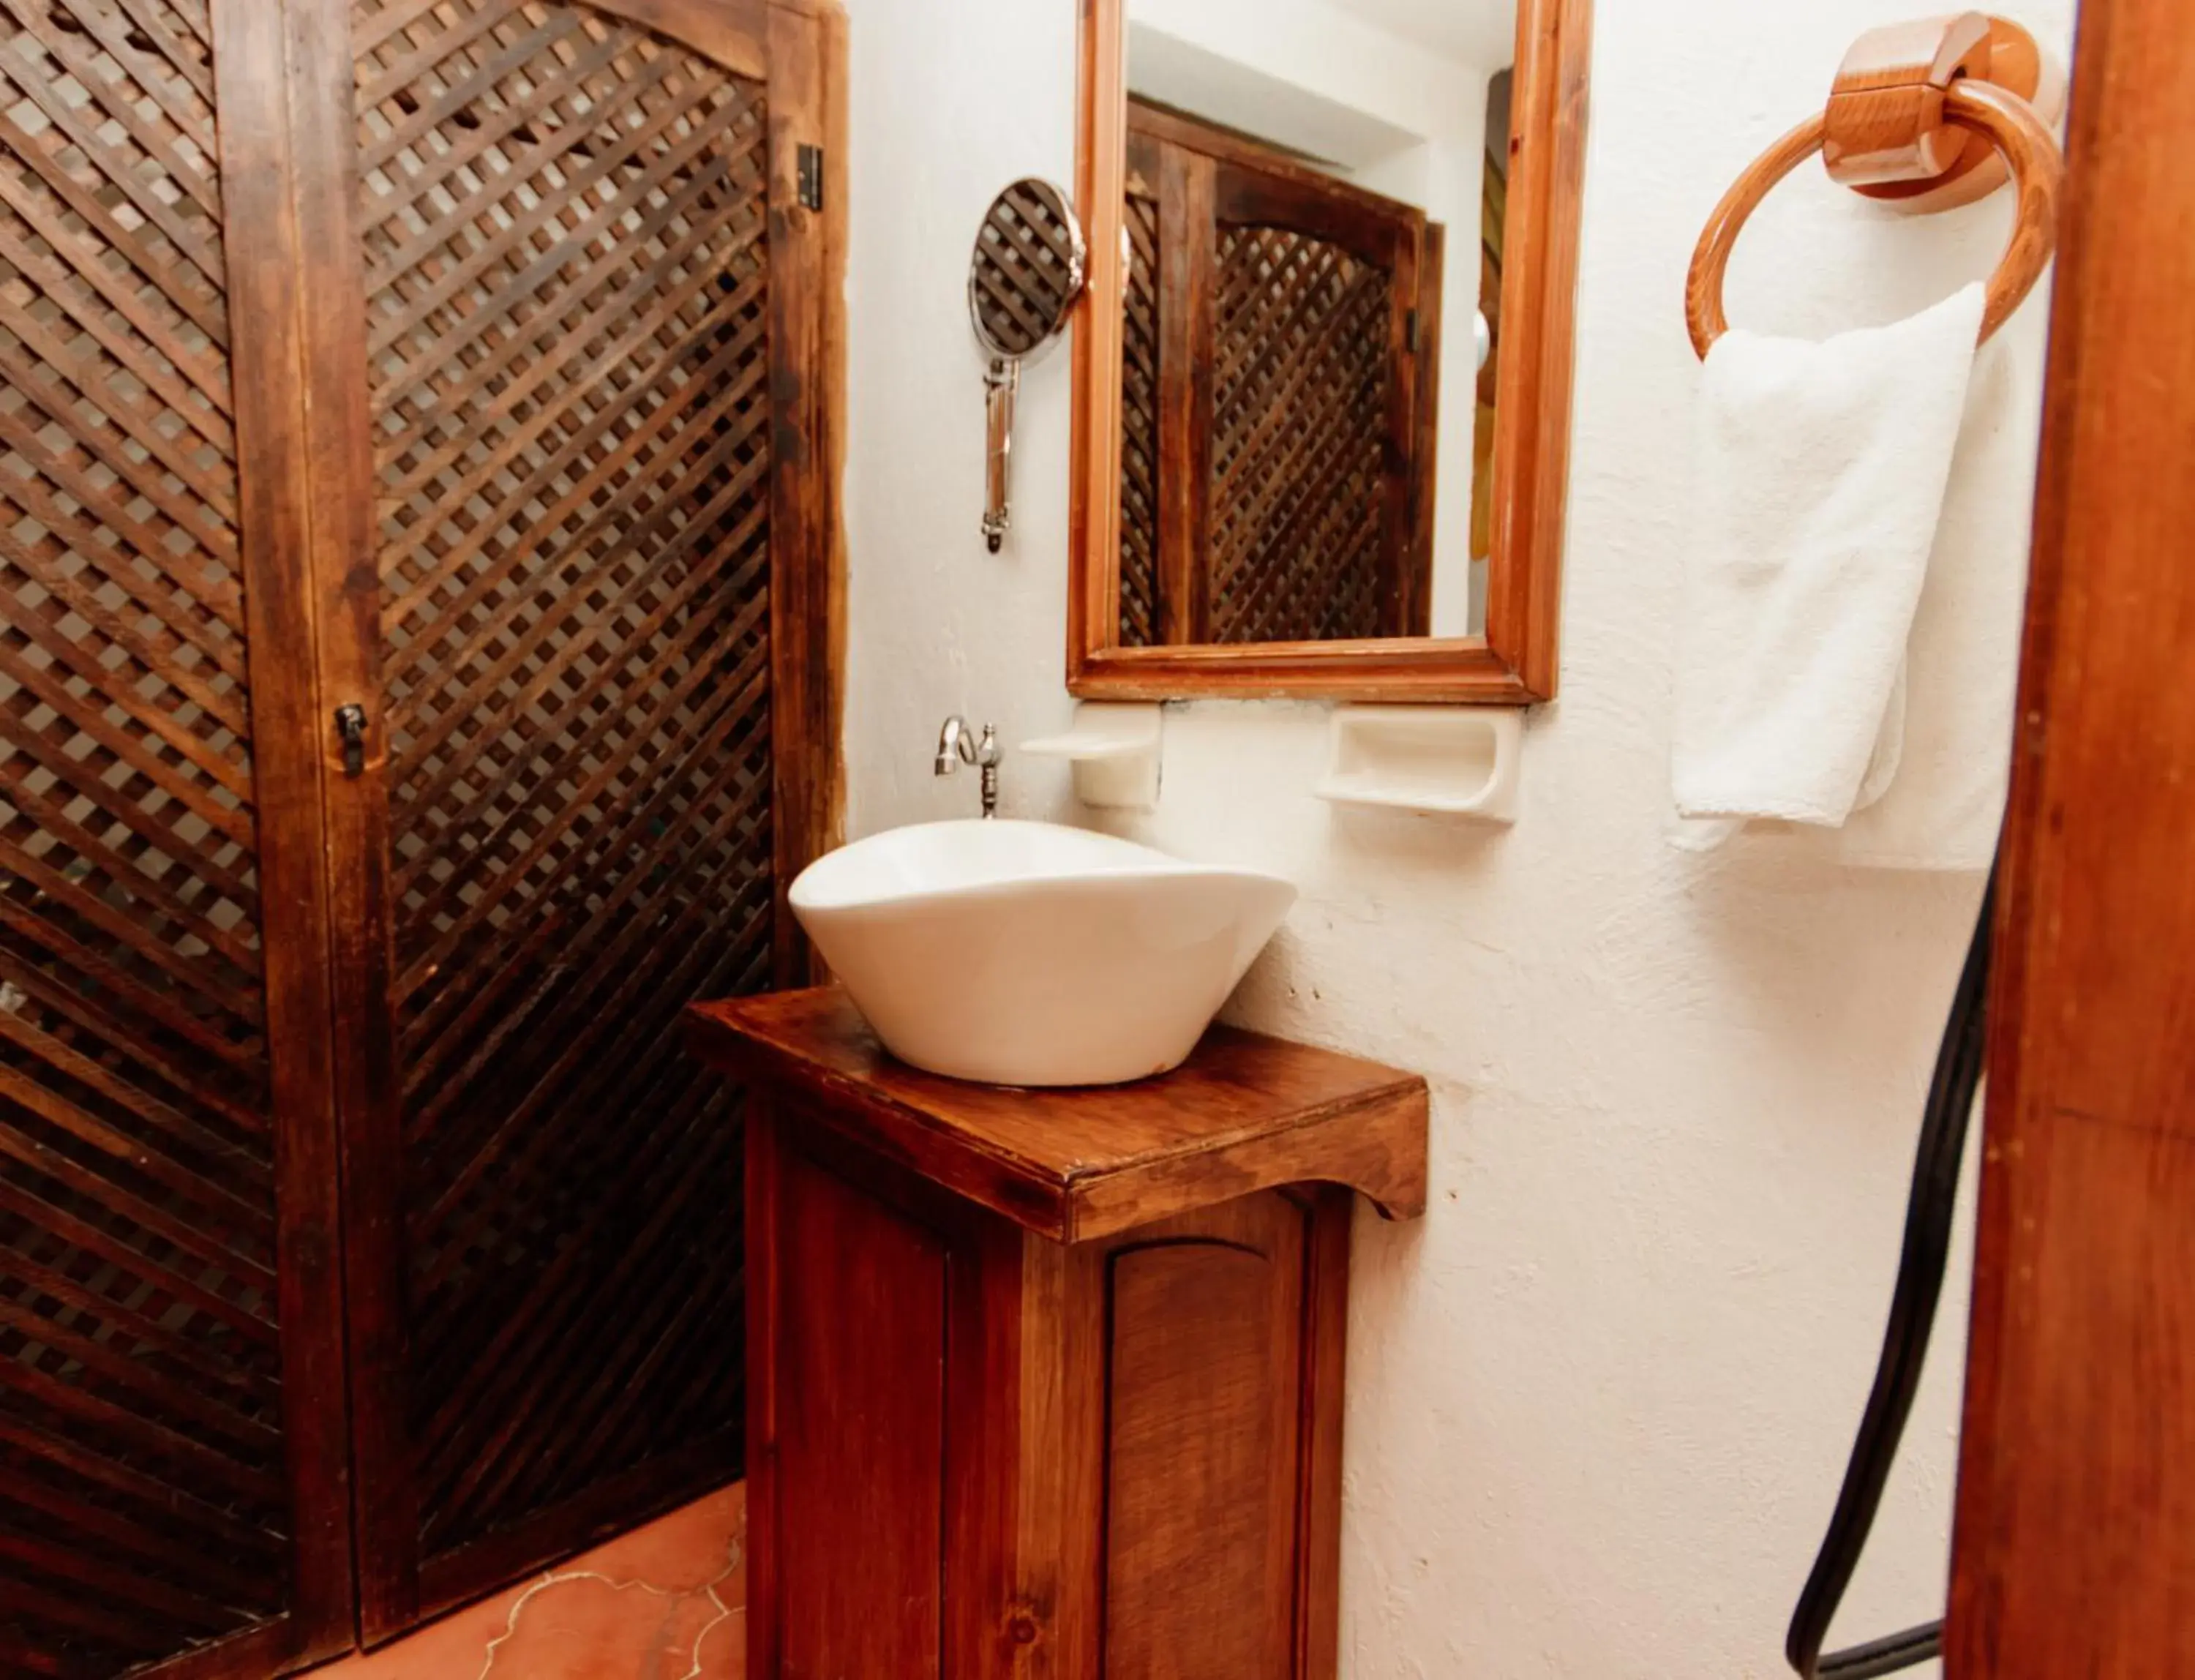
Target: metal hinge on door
(350,729)
(811,178)
(1410,331)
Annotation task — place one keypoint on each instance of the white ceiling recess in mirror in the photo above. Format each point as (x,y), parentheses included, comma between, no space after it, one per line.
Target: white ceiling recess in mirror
(1354,84)
(1309,460)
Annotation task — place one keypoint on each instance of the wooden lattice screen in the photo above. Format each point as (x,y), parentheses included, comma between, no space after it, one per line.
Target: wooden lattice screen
(472,419)
(1276,473)
(567,285)
(143,1505)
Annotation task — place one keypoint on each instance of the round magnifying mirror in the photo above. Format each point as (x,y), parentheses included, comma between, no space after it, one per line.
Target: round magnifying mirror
(1030,264)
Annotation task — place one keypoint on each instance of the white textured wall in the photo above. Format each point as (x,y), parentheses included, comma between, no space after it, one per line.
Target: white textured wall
(1601,1396)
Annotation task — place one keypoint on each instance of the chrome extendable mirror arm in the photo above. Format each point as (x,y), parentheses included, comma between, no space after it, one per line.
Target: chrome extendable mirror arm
(1001,385)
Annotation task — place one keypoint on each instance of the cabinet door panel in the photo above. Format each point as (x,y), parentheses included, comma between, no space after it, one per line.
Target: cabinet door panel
(1203,1386)
(169,1348)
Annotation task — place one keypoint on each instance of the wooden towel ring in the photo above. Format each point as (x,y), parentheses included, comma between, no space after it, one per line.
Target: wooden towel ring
(1887,123)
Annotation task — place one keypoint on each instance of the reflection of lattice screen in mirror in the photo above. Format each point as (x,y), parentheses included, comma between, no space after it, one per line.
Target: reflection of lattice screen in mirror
(1140,620)
(1299,439)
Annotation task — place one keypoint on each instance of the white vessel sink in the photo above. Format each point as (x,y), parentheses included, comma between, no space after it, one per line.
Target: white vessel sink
(1024,954)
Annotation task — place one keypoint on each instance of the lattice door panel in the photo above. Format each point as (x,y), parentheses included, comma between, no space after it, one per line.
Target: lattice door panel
(1300,439)
(566,289)
(1140,620)
(144,1506)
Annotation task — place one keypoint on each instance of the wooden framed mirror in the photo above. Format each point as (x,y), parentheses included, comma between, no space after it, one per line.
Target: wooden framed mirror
(1293,473)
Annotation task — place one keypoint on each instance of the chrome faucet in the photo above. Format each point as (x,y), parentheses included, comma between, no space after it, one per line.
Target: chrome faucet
(957,745)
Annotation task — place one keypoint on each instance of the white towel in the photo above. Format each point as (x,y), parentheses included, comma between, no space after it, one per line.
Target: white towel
(1947,805)
(1822,474)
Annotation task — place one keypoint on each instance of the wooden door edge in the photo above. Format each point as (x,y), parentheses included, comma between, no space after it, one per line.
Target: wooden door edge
(2073,1542)
(259,166)
(808,108)
(346,642)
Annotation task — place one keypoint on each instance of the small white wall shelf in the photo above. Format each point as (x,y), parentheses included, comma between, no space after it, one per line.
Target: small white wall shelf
(1116,750)
(1438,761)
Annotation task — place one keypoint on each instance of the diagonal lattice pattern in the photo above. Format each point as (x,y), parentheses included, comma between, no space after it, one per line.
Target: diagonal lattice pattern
(1027,269)
(1299,439)
(1140,625)
(143,1502)
(565,228)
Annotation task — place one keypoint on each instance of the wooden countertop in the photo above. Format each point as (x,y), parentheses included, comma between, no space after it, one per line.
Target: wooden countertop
(1244,1113)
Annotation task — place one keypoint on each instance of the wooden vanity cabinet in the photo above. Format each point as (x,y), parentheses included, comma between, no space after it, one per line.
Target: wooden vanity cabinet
(1049,1383)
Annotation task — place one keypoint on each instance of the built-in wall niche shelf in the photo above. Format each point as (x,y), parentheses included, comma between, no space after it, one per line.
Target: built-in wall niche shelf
(1115,747)
(1437,761)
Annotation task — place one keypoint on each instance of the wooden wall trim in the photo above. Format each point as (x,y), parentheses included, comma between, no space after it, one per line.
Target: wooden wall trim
(2076,1531)
(1517,660)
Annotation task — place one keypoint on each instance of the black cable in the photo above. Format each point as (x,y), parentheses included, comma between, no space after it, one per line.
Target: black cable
(1913,1304)
(1901,1651)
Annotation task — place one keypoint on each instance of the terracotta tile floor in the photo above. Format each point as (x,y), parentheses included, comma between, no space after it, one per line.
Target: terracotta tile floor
(664,1603)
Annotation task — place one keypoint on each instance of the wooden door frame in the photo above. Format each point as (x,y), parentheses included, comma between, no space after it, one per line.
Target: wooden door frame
(798,48)
(2076,1532)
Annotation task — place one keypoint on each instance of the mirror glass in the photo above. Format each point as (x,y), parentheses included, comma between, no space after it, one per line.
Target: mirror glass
(1027,269)
(1317,200)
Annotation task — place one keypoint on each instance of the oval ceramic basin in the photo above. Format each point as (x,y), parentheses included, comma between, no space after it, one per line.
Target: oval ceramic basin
(1024,954)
